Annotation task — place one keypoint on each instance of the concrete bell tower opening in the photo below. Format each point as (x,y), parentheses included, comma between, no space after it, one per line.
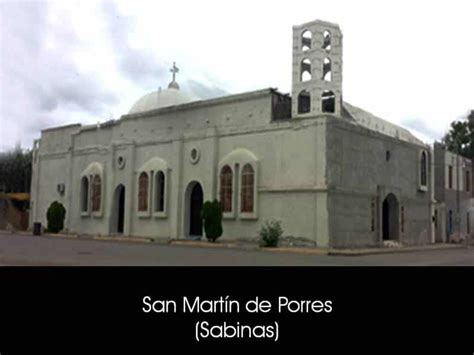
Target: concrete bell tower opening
(317,69)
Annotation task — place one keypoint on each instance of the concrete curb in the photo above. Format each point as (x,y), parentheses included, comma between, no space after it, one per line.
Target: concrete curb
(66,236)
(24,233)
(296,250)
(316,251)
(87,237)
(360,252)
(47,235)
(122,239)
(249,246)
(206,244)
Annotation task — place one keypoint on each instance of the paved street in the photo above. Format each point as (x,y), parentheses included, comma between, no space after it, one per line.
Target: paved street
(29,250)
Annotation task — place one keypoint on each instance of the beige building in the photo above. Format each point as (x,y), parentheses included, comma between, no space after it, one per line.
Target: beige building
(331,172)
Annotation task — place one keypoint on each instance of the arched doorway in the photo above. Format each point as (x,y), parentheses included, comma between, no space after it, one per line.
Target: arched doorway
(450,224)
(194,202)
(390,220)
(117,218)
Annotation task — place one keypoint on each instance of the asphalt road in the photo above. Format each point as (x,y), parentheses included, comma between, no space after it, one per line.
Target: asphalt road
(43,251)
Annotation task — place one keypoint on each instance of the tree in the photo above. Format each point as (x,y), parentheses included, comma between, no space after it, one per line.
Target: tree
(55,216)
(211,213)
(15,170)
(460,138)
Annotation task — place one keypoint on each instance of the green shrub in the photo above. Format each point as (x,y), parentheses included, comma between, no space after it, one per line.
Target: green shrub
(211,213)
(55,216)
(270,233)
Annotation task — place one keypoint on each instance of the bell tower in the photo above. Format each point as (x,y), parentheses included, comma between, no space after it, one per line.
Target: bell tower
(317,69)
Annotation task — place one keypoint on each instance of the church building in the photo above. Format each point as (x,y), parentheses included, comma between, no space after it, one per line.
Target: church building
(332,173)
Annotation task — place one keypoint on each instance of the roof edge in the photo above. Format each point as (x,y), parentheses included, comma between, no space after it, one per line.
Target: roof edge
(204,103)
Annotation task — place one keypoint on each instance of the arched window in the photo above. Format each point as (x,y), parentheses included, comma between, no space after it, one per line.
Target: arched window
(96,193)
(423,169)
(305,70)
(327,70)
(160,192)
(226,188)
(247,189)
(306,40)
(304,102)
(143,192)
(328,101)
(84,194)
(327,40)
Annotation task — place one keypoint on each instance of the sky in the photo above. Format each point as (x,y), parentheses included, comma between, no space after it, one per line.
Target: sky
(61,62)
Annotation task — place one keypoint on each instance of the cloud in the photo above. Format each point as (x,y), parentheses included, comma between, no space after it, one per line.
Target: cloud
(195,88)
(41,82)
(64,62)
(419,125)
(76,92)
(142,66)
(139,65)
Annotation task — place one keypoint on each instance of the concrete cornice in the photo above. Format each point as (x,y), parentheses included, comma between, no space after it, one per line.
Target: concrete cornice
(58,128)
(292,189)
(346,125)
(293,124)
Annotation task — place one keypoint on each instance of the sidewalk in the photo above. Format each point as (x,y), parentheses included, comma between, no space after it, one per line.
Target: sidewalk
(314,250)
(249,245)
(407,249)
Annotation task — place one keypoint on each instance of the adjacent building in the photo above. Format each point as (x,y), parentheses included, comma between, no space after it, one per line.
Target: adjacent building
(453,194)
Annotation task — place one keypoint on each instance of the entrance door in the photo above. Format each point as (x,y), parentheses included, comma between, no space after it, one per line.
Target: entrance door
(196,202)
(121,210)
(117,217)
(390,220)
(385,220)
(450,223)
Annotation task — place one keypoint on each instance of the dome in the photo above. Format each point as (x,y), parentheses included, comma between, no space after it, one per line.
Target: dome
(158,99)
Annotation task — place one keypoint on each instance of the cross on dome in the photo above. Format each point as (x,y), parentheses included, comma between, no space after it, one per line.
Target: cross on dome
(174,85)
(174,69)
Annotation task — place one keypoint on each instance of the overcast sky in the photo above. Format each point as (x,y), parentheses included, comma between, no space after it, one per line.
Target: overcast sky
(409,62)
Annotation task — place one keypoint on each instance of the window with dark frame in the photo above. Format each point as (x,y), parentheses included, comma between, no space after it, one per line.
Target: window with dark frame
(160,192)
(143,192)
(84,194)
(247,189)
(423,169)
(96,193)
(226,177)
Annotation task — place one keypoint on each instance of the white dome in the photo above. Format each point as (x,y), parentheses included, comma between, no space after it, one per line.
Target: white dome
(159,99)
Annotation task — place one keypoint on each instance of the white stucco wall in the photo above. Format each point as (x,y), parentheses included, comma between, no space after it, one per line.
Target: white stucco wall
(290,171)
